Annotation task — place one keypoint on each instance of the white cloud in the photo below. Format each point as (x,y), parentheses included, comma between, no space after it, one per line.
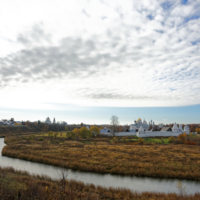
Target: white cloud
(104,53)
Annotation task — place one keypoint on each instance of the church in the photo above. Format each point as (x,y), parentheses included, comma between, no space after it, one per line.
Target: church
(175,131)
(135,127)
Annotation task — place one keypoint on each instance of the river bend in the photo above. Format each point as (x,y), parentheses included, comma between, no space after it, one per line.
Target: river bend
(139,184)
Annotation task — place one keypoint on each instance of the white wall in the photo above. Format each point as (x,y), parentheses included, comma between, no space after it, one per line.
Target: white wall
(119,133)
(158,134)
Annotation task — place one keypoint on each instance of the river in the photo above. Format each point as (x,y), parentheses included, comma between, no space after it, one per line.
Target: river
(139,184)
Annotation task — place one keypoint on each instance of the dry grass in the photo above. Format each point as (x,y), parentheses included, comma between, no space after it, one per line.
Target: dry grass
(21,185)
(163,161)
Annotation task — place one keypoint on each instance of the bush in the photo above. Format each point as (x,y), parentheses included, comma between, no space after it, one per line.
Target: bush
(178,141)
(190,142)
(41,139)
(182,137)
(171,139)
(141,140)
(70,135)
(54,142)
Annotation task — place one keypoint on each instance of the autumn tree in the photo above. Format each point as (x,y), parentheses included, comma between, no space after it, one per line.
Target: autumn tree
(85,133)
(50,133)
(76,131)
(114,124)
(95,131)
(182,137)
(198,130)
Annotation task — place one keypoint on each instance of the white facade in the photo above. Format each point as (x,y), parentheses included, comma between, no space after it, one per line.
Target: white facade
(105,131)
(48,121)
(142,133)
(135,127)
(176,131)
(160,125)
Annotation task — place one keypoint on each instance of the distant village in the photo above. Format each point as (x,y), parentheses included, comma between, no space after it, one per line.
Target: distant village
(12,122)
(139,128)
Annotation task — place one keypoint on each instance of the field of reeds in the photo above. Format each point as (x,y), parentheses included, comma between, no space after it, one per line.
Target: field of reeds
(20,185)
(106,155)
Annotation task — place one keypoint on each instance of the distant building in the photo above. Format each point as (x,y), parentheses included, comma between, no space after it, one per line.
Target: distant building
(48,121)
(105,131)
(166,129)
(135,127)
(161,125)
(1,123)
(165,132)
(17,123)
(54,120)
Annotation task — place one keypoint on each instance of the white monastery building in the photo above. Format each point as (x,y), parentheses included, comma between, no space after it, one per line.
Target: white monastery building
(48,121)
(176,131)
(141,129)
(135,127)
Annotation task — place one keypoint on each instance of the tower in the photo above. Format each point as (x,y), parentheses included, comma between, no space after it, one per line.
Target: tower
(54,120)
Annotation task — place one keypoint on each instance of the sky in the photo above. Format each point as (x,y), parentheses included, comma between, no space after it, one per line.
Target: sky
(85,60)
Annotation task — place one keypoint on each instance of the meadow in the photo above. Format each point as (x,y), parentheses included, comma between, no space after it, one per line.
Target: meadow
(125,156)
(20,185)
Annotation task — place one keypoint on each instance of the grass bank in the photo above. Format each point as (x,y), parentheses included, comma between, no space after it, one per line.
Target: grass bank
(22,186)
(102,155)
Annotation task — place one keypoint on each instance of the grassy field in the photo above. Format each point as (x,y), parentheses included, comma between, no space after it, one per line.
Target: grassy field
(110,155)
(19,185)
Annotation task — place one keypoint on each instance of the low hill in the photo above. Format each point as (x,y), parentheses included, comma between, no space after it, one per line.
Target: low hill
(14,130)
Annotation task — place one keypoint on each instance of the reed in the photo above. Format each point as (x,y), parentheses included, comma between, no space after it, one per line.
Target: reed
(15,184)
(162,161)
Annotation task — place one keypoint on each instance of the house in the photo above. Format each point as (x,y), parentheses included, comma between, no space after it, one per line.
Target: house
(166,129)
(165,132)
(105,131)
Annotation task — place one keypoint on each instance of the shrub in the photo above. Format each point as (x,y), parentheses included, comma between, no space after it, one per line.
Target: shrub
(54,142)
(70,134)
(177,141)
(41,139)
(190,142)
(141,140)
(50,133)
(182,137)
(171,139)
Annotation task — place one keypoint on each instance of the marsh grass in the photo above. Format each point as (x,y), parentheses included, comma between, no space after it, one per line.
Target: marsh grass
(102,156)
(21,185)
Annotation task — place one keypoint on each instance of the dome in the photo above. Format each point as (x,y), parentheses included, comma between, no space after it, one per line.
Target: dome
(141,129)
(139,120)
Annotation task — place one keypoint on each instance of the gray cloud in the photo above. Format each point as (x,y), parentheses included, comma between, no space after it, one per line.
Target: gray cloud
(149,52)
(36,35)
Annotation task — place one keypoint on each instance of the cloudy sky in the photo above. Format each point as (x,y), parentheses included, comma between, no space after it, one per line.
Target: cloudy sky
(75,59)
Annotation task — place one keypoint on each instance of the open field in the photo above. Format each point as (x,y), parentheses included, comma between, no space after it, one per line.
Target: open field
(105,155)
(21,185)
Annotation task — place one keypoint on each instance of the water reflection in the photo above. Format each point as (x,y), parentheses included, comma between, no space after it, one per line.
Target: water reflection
(138,184)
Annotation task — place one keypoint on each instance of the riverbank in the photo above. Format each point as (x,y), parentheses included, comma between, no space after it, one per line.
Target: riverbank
(15,131)
(21,185)
(158,161)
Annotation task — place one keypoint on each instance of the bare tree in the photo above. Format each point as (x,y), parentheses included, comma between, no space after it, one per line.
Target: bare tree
(63,174)
(114,124)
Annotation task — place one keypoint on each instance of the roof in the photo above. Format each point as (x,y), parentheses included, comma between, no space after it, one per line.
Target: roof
(175,127)
(141,129)
(165,128)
